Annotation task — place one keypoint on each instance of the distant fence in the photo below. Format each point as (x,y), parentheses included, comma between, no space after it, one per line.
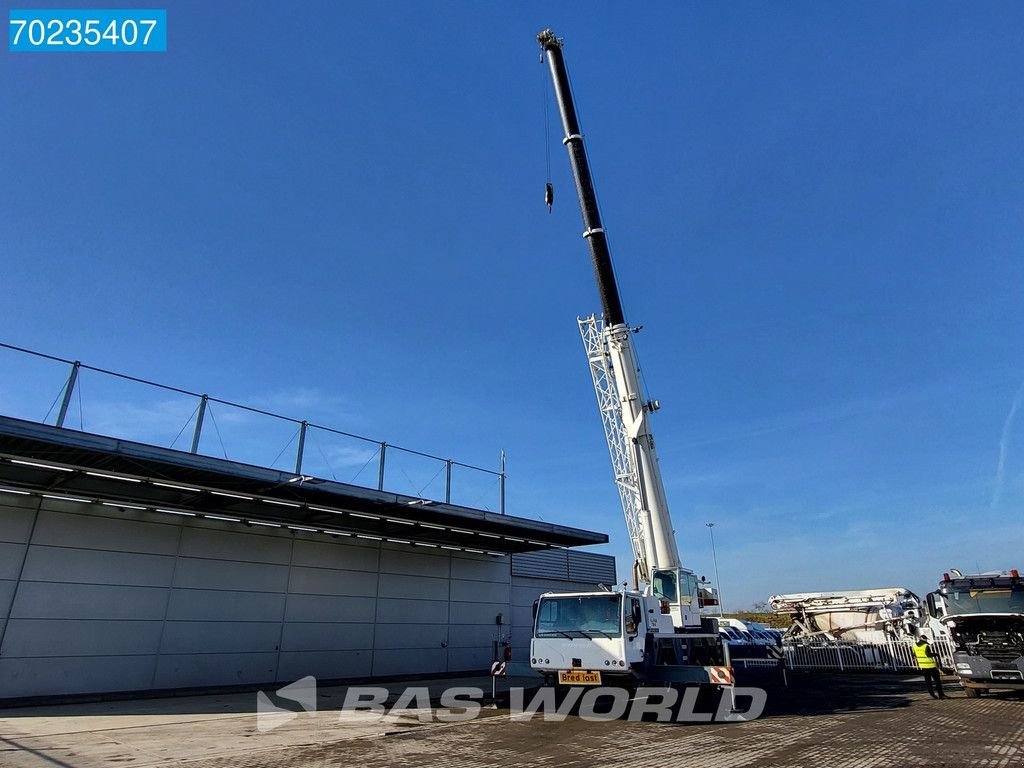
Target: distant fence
(892,656)
(130,408)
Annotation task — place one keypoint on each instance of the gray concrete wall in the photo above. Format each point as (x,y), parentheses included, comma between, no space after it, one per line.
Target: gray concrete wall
(95,598)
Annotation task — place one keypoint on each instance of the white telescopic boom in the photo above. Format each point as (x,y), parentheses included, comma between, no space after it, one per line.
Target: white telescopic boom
(630,441)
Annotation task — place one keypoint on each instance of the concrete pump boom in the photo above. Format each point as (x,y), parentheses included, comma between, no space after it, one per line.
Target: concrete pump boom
(615,371)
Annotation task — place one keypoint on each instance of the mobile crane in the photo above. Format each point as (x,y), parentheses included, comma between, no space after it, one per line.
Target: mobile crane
(653,633)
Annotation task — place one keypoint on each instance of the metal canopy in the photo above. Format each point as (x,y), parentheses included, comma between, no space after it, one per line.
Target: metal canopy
(42,460)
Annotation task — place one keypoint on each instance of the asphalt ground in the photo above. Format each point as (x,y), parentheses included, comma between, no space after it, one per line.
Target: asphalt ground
(839,721)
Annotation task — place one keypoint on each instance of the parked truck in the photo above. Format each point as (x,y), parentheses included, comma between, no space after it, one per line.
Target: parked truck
(985,615)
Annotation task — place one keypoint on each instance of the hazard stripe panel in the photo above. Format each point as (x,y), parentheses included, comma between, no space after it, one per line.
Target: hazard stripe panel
(720,675)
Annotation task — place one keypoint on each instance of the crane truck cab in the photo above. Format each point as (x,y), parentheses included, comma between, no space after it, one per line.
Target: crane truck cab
(622,639)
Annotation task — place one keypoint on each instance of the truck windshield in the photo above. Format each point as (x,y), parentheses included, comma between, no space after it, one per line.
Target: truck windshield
(585,614)
(961,600)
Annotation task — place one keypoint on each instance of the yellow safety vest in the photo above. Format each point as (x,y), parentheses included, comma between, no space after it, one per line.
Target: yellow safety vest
(924,661)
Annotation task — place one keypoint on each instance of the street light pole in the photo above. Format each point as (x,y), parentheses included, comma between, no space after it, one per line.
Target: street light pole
(714,555)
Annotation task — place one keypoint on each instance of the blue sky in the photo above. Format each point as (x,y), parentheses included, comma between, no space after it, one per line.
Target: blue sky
(335,211)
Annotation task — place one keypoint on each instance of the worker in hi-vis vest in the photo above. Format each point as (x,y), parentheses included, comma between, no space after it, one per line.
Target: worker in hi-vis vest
(929,666)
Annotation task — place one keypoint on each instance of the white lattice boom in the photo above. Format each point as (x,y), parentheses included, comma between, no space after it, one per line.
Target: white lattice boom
(627,478)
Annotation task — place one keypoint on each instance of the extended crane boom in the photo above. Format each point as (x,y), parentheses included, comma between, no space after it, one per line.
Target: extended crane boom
(613,362)
(594,232)
(653,634)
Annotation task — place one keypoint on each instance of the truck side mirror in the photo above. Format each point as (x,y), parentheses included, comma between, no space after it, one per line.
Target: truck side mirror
(535,602)
(633,619)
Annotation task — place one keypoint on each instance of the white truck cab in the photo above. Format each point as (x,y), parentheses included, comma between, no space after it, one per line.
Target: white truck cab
(618,638)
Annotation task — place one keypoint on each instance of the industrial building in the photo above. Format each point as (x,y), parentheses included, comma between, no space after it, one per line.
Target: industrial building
(130,567)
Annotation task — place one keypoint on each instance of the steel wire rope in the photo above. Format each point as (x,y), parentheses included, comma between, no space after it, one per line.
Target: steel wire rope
(545,97)
(324,457)
(216,429)
(281,452)
(412,483)
(33,353)
(419,494)
(187,422)
(476,500)
(50,409)
(373,456)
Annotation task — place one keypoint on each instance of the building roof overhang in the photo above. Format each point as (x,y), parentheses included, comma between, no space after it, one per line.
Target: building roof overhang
(42,460)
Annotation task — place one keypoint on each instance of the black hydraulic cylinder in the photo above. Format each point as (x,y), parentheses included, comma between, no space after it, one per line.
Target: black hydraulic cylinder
(594,232)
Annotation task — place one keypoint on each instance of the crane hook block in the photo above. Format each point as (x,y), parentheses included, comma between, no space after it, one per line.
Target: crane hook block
(549,195)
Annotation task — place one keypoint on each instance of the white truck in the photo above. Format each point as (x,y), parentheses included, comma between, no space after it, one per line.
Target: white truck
(652,633)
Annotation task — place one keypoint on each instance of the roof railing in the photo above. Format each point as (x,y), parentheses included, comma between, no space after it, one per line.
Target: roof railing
(398,469)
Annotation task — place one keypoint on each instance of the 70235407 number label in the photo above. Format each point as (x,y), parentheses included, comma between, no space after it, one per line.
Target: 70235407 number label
(78,30)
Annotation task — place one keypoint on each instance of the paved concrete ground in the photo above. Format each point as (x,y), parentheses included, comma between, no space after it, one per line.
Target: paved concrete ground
(183,729)
(857,721)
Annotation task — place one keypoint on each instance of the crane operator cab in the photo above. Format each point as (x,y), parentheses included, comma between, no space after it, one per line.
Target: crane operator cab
(678,593)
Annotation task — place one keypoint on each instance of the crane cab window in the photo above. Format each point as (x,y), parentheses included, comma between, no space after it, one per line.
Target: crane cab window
(689,587)
(665,586)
